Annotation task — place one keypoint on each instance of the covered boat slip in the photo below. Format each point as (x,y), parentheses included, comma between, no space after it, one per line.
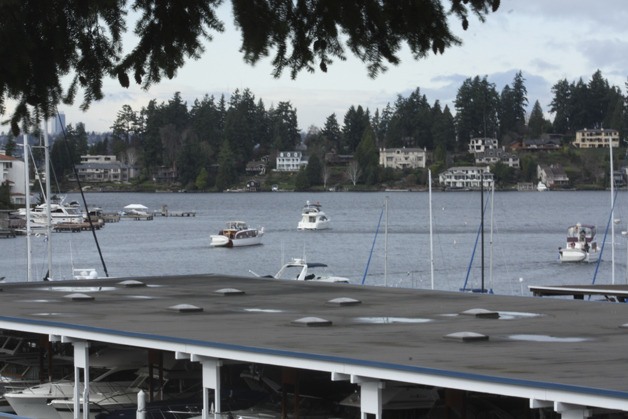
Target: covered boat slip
(561,355)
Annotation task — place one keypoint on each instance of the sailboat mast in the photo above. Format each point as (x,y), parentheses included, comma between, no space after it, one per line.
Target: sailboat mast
(490,258)
(48,203)
(482,224)
(27,204)
(610,146)
(386,244)
(429,182)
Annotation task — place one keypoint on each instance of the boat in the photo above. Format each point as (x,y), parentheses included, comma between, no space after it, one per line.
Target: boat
(541,187)
(237,234)
(59,214)
(581,245)
(117,372)
(301,270)
(313,217)
(136,210)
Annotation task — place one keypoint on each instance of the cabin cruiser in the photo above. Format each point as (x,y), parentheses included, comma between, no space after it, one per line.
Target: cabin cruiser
(313,217)
(581,245)
(236,234)
(59,213)
(300,270)
(114,370)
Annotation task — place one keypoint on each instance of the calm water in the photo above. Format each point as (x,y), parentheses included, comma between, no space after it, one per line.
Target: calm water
(528,228)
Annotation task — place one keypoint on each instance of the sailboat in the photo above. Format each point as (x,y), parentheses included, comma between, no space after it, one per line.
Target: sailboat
(480,234)
(46,220)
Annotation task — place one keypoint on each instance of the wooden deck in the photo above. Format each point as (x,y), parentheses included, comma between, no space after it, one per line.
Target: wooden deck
(179,214)
(78,227)
(7,232)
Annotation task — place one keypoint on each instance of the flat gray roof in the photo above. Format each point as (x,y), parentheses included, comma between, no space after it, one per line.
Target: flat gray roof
(552,350)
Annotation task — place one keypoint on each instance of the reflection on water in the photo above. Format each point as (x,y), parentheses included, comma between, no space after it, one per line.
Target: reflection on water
(528,229)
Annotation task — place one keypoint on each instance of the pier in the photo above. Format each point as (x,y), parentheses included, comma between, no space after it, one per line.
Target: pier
(78,227)
(7,232)
(165,212)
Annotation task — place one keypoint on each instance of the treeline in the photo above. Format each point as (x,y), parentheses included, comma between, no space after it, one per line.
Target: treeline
(209,143)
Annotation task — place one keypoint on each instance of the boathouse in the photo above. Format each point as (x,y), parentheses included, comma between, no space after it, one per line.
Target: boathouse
(518,354)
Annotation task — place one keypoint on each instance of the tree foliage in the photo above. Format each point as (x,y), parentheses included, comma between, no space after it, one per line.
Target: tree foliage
(45,42)
(477,106)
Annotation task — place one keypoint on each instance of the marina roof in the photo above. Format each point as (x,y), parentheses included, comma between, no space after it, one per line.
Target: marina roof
(562,351)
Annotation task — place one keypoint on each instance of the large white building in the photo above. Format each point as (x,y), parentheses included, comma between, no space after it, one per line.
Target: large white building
(12,171)
(596,138)
(290,161)
(402,158)
(480,145)
(103,169)
(466,177)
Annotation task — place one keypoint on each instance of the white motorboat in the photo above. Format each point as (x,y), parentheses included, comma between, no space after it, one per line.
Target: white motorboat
(236,234)
(300,270)
(119,372)
(313,217)
(581,245)
(175,385)
(541,187)
(59,213)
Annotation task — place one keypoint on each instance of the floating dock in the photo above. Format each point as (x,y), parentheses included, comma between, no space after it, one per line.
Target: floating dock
(78,227)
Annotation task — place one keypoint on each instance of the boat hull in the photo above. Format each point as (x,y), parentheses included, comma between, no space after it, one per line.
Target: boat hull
(578,255)
(318,225)
(224,241)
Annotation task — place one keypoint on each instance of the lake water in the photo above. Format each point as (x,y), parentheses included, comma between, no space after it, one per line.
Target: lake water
(528,228)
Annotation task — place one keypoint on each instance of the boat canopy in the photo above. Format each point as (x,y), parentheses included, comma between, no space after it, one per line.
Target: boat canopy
(581,231)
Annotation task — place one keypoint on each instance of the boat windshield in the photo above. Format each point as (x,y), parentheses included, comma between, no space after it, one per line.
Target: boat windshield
(581,232)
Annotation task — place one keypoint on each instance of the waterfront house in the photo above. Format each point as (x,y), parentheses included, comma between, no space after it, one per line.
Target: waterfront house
(552,175)
(290,161)
(12,171)
(596,138)
(480,145)
(466,177)
(103,168)
(402,158)
(496,155)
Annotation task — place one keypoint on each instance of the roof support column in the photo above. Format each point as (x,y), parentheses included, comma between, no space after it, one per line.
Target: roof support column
(370,397)
(211,380)
(81,360)
(572,411)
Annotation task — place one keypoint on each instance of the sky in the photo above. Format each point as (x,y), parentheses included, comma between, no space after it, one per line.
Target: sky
(547,40)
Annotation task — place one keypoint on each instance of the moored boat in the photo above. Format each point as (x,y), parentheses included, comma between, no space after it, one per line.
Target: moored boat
(581,245)
(300,270)
(313,217)
(237,234)
(59,213)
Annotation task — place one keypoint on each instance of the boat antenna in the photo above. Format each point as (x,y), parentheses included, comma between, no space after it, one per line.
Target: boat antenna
(80,187)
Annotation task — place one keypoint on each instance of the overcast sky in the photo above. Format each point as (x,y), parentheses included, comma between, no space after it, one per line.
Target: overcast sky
(548,40)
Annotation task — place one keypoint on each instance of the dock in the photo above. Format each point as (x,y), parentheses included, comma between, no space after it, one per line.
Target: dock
(110,217)
(165,212)
(179,214)
(78,227)
(137,217)
(578,292)
(7,233)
